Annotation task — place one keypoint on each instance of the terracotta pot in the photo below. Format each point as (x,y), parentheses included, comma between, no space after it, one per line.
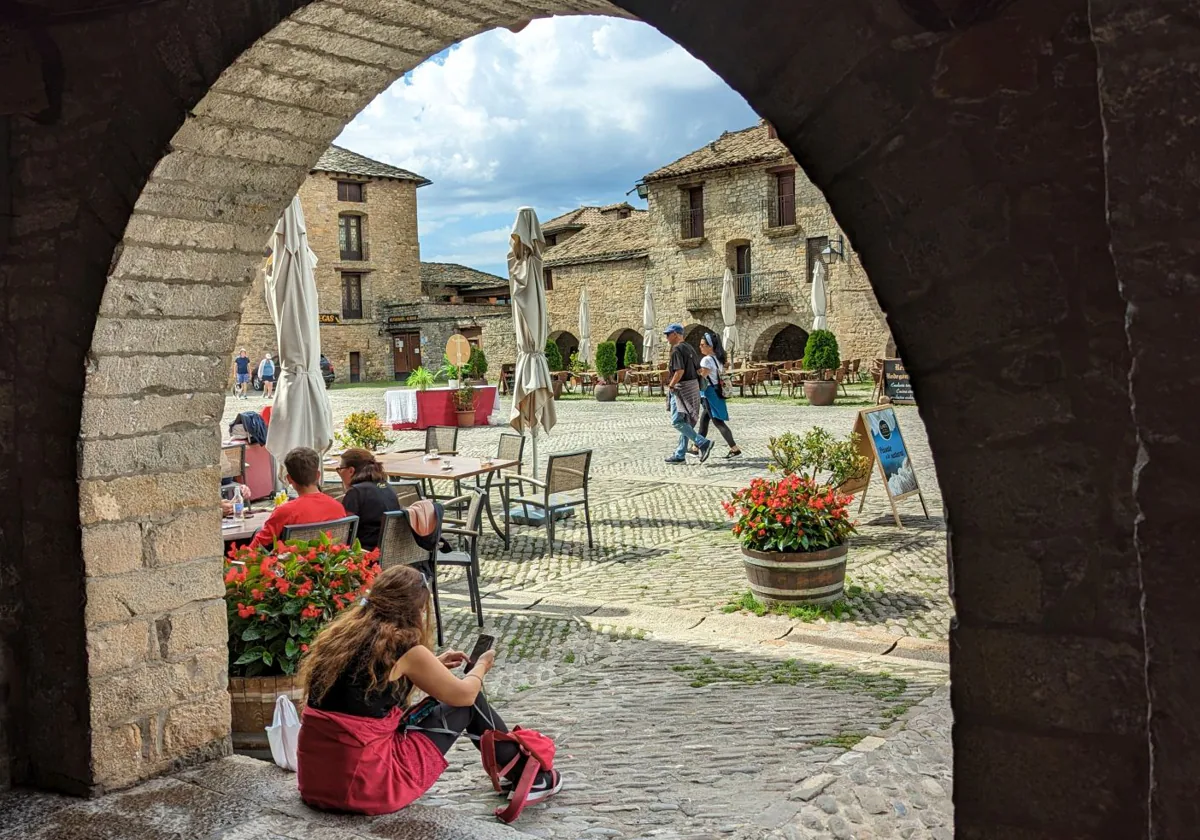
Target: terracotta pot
(252,706)
(820,392)
(558,386)
(465,418)
(796,577)
(606,392)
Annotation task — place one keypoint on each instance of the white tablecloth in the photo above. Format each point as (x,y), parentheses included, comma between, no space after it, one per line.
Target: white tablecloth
(401,406)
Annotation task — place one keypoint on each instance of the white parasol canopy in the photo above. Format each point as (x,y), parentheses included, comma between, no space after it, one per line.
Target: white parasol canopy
(729,314)
(585,328)
(649,327)
(301,415)
(533,394)
(818,296)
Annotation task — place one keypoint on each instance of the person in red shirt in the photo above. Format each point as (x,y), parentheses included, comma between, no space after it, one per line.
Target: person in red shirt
(303,466)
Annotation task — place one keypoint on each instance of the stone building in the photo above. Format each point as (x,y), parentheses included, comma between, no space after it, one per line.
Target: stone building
(362,225)
(742,203)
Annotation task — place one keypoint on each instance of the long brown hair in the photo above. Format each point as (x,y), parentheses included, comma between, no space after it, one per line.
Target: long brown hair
(372,636)
(365,467)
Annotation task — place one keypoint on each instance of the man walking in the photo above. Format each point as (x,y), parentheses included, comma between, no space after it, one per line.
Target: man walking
(241,369)
(266,375)
(683,399)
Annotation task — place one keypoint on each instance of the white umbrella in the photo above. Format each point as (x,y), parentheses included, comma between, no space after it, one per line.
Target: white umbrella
(585,328)
(729,314)
(301,415)
(649,327)
(818,296)
(533,393)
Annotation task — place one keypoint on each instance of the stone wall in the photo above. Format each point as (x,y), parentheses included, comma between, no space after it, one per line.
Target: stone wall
(615,295)
(391,273)
(439,321)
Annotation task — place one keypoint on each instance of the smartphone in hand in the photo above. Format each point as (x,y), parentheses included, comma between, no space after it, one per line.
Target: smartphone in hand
(484,644)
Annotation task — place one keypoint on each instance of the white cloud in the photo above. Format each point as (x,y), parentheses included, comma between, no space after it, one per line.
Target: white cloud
(569,110)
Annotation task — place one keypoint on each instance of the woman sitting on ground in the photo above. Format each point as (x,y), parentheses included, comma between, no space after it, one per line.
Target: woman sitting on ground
(368,495)
(355,754)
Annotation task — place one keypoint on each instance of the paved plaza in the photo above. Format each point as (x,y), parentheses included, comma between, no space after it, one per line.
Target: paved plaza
(676,715)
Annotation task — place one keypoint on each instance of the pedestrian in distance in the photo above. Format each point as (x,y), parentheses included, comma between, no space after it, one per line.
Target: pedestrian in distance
(241,371)
(266,375)
(683,396)
(712,392)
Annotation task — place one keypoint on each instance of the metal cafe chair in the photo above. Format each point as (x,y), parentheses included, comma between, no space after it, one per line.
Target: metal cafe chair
(342,530)
(566,475)
(398,547)
(468,529)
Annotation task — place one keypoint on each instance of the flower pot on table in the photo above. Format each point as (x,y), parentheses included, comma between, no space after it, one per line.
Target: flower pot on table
(820,392)
(790,578)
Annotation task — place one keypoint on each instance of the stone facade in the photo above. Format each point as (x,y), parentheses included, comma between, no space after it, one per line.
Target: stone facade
(389,271)
(685,272)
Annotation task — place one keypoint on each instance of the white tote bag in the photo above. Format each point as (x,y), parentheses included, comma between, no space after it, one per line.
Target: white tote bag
(284,732)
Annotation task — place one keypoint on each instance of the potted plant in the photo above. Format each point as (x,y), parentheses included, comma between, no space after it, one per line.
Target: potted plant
(449,372)
(606,369)
(477,367)
(631,354)
(420,379)
(464,405)
(277,600)
(364,430)
(554,361)
(821,356)
(794,526)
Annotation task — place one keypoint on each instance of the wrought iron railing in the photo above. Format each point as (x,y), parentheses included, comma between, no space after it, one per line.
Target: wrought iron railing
(780,211)
(758,288)
(692,224)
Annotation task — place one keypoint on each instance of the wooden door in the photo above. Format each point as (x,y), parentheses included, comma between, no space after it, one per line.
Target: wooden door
(355,367)
(785,189)
(406,353)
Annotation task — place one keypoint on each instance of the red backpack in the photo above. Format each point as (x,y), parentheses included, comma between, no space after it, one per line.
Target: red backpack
(538,750)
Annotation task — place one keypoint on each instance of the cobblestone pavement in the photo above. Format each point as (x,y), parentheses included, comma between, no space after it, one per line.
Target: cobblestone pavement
(675,718)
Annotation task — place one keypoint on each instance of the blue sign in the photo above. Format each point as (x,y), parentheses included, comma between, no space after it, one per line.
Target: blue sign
(891,452)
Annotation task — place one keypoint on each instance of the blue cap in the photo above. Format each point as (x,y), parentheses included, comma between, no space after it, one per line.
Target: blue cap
(674,328)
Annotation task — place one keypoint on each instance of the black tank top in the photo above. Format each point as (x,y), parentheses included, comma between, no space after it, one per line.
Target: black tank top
(348,695)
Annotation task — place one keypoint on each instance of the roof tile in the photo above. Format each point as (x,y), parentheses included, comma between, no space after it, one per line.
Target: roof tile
(343,161)
(620,239)
(733,148)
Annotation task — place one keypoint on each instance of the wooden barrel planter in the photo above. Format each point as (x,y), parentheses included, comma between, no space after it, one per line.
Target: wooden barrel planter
(791,578)
(252,708)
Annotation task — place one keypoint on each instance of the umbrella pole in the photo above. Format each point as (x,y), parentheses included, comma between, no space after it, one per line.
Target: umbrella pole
(535,460)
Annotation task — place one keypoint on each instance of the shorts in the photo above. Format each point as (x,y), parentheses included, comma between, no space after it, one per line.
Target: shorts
(243,378)
(270,378)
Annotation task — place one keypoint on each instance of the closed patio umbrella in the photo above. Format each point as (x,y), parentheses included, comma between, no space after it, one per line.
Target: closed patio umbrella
(818,296)
(649,327)
(729,314)
(533,393)
(585,328)
(301,415)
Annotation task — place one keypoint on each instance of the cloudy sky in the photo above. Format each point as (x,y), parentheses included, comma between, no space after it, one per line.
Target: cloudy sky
(569,111)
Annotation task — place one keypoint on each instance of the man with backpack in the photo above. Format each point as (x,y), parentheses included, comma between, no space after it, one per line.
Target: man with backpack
(266,375)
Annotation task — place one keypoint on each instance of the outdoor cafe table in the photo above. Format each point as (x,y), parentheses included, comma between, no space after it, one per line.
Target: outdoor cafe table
(411,409)
(242,531)
(413,466)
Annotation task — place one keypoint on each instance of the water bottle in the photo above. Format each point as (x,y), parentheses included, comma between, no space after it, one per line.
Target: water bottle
(239,504)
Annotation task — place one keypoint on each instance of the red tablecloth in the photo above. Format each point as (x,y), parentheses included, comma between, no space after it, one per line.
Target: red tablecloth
(436,408)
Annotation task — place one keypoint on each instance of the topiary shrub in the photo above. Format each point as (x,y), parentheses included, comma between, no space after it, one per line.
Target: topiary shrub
(821,351)
(553,357)
(631,354)
(477,365)
(606,360)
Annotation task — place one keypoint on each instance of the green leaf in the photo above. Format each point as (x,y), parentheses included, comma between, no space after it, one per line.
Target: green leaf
(291,649)
(267,658)
(251,633)
(249,656)
(293,607)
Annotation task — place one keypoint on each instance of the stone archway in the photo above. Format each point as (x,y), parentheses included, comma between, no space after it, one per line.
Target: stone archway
(783,342)
(624,338)
(567,343)
(971,156)
(692,333)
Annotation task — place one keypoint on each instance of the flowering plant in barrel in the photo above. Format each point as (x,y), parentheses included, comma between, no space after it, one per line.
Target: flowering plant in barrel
(794,526)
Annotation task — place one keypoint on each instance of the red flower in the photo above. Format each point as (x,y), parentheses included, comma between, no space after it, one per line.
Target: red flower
(283,586)
(304,648)
(231,575)
(256,594)
(245,611)
(310,611)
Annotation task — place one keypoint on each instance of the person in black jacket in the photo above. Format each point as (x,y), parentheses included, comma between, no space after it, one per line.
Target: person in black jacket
(368,495)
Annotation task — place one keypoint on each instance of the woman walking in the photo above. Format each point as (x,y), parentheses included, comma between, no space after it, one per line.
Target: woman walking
(712,399)
(360,750)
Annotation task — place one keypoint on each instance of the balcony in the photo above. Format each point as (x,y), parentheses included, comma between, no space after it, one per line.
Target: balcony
(759,288)
(779,211)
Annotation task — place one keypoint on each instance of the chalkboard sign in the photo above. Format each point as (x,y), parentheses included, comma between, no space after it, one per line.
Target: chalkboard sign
(896,385)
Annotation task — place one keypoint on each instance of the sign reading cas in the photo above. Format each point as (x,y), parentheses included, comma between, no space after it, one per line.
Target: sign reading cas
(329,318)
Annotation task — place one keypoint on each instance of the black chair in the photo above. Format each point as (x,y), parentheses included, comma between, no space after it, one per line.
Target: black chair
(468,529)
(342,530)
(398,547)
(565,474)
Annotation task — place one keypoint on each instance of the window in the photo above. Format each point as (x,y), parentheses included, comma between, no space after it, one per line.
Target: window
(771,132)
(623,213)
(350,237)
(782,209)
(548,277)
(351,295)
(350,191)
(812,249)
(693,213)
(551,240)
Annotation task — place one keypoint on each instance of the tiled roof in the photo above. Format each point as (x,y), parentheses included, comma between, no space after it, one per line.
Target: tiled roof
(343,161)
(587,215)
(733,148)
(458,276)
(620,239)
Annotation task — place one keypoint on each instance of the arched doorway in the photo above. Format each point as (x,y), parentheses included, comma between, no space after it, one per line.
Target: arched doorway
(692,333)
(976,205)
(625,338)
(567,344)
(783,342)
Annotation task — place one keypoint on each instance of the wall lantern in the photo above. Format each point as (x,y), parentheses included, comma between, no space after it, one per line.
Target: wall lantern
(642,190)
(835,250)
